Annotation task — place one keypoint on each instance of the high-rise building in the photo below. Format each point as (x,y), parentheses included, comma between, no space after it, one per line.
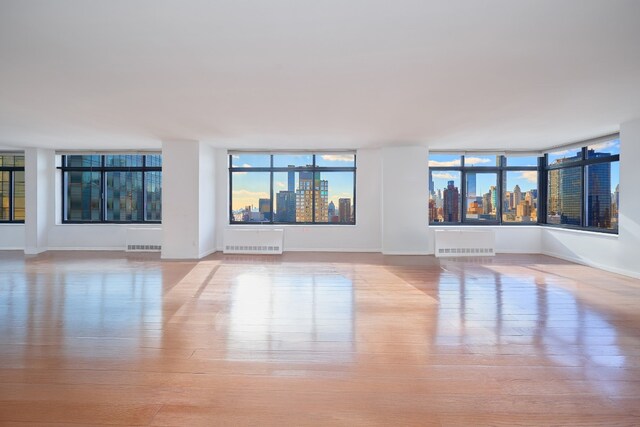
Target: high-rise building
(304,198)
(494,199)
(286,206)
(570,184)
(344,208)
(433,211)
(517,195)
(486,203)
(333,216)
(264,207)
(599,192)
(471,185)
(291,180)
(524,209)
(450,203)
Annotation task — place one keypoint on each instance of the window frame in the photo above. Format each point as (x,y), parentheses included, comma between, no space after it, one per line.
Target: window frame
(500,170)
(12,170)
(296,169)
(103,169)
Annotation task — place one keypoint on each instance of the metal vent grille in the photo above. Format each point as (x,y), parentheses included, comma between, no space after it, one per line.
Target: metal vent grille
(251,249)
(144,248)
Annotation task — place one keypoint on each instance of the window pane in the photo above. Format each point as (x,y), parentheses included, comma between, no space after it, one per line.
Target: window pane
(153,183)
(83,195)
(482,196)
(603,195)
(4,196)
(124,196)
(445,200)
(340,160)
(128,160)
(520,197)
(604,149)
(285,185)
(293,160)
(334,197)
(476,161)
(565,156)
(564,194)
(304,197)
(447,160)
(250,194)
(522,161)
(83,161)
(18,196)
(250,160)
(154,160)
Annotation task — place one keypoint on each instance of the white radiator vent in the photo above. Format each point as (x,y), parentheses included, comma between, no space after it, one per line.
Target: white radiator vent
(144,240)
(252,241)
(457,243)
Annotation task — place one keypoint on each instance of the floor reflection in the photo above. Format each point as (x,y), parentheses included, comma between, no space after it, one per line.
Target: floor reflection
(302,317)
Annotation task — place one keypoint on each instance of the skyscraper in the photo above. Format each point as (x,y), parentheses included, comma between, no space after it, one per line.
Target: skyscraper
(291,180)
(286,206)
(517,196)
(494,199)
(450,203)
(304,198)
(599,192)
(344,208)
(471,185)
(264,207)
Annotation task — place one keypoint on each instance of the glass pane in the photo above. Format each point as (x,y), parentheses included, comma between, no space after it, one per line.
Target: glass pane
(604,149)
(334,197)
(154,160)
(18,196)
(250,160)
(292,160)
(482,196)
(340,160)
(603,195)
(522,161)
(19,160)
(285,185)
(445,200)
(565,156)
(83,161)
(83,196)
(448,160)
(11,160)
(4,196)
(124,196)
(250,193)
(153,193)
(520,197)
(476,161)
(127,160)
(564,194)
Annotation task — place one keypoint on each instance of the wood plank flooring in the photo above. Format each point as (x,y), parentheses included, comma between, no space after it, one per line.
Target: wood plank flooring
(316,339)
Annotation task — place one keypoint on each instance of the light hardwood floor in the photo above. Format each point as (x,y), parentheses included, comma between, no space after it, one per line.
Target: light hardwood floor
(316,339)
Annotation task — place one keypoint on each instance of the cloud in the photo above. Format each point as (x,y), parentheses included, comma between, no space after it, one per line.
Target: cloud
(603,146)
(476,160)
(443,175)
(235,156)
(530,176)
(249,193)
(281,185)
(246,165)
(446,163)
(337,157)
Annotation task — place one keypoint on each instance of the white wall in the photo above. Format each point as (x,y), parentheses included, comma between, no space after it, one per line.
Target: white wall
(405,195)
(12,236)
(613,253)
(362,237)
(206,200)
(526,239)
(39,176)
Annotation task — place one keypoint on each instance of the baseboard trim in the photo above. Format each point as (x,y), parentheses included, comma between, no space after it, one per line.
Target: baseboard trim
(207,252)
(581,261)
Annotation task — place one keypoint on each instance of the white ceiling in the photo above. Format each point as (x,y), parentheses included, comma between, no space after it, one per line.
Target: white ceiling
(316,74)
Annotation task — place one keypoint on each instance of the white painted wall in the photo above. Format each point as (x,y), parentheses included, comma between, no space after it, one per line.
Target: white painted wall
(405,195)
(39,170)
(614,253)
(12,236)
(362,237)
(206,200)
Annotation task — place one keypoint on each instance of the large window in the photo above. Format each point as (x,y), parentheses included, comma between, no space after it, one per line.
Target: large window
(497,189)
(583,186)
(112,188)
(292,188)
(572,187)
(11,187)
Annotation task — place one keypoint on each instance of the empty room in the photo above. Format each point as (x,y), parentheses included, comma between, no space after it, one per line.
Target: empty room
(334,213)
